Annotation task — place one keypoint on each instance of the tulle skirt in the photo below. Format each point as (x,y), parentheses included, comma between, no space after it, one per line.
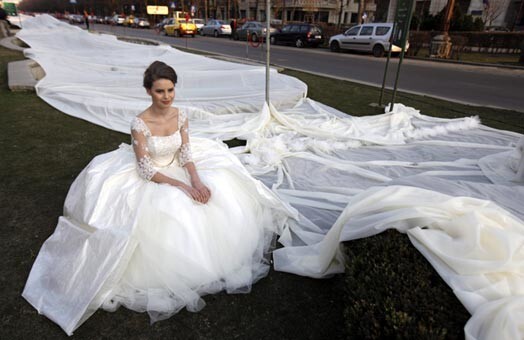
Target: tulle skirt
(148,246)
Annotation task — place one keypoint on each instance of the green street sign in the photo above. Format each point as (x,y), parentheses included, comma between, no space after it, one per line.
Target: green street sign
(402,22)
(10,8)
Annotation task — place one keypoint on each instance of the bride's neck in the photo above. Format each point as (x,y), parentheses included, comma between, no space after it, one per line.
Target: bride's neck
(159,112)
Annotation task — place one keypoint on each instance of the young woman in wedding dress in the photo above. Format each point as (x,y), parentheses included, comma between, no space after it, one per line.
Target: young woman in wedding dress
(157,224)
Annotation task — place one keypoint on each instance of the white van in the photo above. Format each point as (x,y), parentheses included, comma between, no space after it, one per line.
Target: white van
(372,38)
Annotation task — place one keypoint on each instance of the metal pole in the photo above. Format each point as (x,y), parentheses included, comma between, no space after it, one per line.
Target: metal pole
(247,44)
(386,69)
(396,79)
(268,39)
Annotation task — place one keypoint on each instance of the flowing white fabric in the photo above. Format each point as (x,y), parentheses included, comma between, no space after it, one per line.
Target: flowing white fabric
(127,241)
(455,186)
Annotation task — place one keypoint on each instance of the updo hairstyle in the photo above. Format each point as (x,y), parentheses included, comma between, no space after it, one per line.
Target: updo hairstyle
(158,70)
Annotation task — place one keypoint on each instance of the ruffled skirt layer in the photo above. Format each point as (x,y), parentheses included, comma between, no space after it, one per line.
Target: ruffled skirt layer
(148,246)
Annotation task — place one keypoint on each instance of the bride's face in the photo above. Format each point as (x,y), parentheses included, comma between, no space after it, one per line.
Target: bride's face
(162,93)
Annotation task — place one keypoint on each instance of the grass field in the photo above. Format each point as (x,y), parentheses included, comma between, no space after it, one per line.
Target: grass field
(389,290)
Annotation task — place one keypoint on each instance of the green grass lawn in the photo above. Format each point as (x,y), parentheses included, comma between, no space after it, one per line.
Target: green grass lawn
(389,290)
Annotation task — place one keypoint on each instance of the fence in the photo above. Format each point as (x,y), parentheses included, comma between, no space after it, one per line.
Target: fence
(464,42)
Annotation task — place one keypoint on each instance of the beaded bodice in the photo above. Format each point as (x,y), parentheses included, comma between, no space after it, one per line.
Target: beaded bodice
(160,151)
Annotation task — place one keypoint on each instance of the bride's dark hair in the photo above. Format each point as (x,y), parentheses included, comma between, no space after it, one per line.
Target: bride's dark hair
(158,70)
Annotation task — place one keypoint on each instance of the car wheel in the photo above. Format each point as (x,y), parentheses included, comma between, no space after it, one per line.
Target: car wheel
(378,51)
(272,40)
(192,35)
(176,33)
(254,37)
(215,34)
(165,32)
(299,43)
(202,32)
(334,46)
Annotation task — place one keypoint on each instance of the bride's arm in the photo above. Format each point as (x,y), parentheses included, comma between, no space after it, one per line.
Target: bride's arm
(145,167)
(186,160)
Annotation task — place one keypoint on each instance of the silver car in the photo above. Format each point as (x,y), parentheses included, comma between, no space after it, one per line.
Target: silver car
(216,28)
(373,38)
(199,23)
(254,29)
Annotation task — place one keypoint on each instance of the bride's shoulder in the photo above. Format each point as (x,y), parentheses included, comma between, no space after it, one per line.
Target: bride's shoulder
(138,124)
(182,116)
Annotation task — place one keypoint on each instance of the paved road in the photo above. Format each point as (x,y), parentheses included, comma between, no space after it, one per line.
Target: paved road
(476,85)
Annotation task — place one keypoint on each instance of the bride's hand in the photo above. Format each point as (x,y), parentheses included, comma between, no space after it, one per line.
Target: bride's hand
(193,193)
(203,190)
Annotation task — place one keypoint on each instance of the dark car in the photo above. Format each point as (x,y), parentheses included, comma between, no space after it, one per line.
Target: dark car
(300,35)
(253,29)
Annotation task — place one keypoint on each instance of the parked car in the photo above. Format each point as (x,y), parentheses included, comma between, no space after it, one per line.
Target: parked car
(129,20)
(216,28)
(179,26)
(160,26)
(76,19)
(300,35)
(141,23)
(256,29)
(372,38)
(107,20)
(119,19)
(199,23)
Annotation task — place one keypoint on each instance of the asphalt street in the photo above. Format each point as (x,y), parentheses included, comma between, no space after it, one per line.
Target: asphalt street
(469,84)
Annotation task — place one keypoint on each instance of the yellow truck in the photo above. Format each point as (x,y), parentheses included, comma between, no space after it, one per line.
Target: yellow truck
(179,26)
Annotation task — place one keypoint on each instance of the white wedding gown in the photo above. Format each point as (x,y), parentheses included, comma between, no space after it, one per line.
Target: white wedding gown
(124,240)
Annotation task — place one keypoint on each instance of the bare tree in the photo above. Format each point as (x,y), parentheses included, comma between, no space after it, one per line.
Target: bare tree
(492,10)
(340,13)
(361,6)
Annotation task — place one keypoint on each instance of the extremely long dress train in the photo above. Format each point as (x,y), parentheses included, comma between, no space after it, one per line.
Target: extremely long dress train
(125,240)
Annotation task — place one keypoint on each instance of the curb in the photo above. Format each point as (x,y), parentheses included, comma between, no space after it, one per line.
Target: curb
(213,55)
(459,62)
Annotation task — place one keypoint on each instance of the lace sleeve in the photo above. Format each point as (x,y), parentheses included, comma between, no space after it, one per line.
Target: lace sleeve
(185,155)
(139,134)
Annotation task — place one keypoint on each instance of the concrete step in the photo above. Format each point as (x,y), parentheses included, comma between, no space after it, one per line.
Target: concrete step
(23,75)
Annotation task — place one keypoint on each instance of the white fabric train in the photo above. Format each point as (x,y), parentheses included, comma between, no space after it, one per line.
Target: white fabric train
(455,186)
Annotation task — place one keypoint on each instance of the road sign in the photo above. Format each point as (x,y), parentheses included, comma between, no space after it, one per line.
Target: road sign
(398,38)
(157,10)
(402,22)
(10,8)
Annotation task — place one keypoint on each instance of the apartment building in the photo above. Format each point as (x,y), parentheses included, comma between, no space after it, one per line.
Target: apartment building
(493,12)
